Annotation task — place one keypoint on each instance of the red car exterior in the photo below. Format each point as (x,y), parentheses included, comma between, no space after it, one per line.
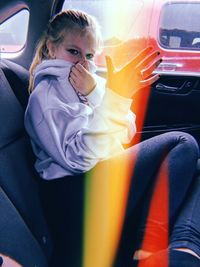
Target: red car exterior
(172,27)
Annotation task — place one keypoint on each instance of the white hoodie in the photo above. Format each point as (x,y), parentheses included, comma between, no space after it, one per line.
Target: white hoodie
(70,137)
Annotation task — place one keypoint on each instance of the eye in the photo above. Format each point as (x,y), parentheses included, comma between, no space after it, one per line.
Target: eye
(89,56)
(73,52)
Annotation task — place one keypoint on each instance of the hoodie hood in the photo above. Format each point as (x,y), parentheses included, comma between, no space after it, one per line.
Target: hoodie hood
(55,67)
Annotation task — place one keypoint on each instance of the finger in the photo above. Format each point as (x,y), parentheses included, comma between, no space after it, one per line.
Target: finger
(148,71)
(72,82)
(75,71)
(86,65)
(73,76)
(82,62)
(71,79)
(109,65)
(150,80)
(146,83)
(148,59)
(139,57)
(80,68)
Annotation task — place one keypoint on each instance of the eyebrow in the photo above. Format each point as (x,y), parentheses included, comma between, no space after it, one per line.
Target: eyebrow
(74,46)
(78,48)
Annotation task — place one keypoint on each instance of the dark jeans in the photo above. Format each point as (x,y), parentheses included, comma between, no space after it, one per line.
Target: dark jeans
(186,231)
(63,198)
(179,152)
(185,234)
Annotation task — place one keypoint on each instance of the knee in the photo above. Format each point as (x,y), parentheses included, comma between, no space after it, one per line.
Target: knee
(189,142)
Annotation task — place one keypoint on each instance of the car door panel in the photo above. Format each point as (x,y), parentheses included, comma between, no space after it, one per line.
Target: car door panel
(173,104)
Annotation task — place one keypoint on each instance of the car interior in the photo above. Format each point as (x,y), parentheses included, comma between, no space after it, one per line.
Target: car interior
(173,104)
(24,232)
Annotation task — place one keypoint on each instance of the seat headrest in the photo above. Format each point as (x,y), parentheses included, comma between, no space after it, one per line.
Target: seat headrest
(11,113)
(18,78)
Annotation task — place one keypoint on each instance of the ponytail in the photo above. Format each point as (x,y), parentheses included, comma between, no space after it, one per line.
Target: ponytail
(41,53)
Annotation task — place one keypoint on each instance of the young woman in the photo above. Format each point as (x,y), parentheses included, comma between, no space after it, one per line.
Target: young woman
(77,121)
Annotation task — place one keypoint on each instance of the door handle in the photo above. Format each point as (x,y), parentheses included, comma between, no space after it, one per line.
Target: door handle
(166,88)
(167,66)
(184,87)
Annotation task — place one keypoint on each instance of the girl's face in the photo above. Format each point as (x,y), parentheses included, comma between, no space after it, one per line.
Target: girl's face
(76,47)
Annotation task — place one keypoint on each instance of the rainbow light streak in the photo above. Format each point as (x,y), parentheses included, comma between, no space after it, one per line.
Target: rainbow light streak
(106,193)
(107,187)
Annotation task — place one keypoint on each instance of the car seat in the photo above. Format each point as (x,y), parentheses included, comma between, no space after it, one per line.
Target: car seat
(24,233)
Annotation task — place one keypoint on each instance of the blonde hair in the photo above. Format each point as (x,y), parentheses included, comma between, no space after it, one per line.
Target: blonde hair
(63,22)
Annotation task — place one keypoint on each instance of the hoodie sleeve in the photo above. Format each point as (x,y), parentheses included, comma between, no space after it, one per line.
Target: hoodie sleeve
(76,136)
(96,96)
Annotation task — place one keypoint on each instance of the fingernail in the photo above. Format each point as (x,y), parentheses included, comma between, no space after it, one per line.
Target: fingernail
(1,261)
(158,62)
(158,53)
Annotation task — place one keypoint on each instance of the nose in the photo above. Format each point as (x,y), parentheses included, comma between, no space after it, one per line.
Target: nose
(83,58)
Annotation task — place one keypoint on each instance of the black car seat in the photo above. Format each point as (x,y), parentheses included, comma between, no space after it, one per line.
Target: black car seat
(24,234)
(18,79)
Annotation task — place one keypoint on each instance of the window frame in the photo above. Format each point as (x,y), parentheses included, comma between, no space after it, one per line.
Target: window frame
(9,13)
(180,48)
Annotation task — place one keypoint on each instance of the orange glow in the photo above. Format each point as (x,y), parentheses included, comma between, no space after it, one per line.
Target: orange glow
(158,211)
(106,193)
(107,185)
(140,105)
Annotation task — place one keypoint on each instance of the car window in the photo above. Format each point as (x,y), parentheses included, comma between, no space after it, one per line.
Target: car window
(118,22)
(180,26)
(13,34)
